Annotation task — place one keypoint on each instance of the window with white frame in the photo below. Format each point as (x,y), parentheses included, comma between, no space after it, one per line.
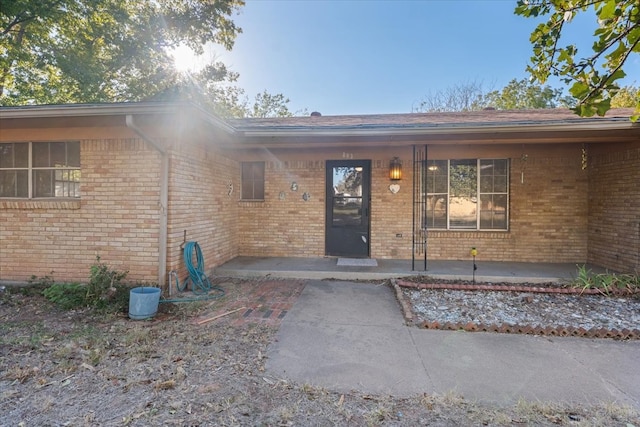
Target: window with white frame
(32,170)
(467,194)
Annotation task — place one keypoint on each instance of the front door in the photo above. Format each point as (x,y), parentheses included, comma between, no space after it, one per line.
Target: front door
(348,197)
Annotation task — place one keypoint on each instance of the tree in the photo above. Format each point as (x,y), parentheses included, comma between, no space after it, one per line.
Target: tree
(523,94)
(220,95)
(517,94)
(59,51)
(460,97)
(267,105)
(616,39)
(626,97)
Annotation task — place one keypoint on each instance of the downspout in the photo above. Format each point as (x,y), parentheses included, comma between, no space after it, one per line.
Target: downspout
(164,200)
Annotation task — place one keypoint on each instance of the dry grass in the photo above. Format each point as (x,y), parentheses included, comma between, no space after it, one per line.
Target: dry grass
(72,368)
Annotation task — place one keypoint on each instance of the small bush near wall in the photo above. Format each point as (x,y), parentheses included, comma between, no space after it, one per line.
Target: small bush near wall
(103,291)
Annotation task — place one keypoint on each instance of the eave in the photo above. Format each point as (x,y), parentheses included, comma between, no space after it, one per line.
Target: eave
(589,132)
(88,115)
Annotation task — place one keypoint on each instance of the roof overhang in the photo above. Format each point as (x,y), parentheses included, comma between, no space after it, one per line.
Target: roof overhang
(587,132)
(485,127)
(109,114)
(438,129)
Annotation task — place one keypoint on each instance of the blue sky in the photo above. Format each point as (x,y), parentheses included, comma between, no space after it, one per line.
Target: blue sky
(366,57)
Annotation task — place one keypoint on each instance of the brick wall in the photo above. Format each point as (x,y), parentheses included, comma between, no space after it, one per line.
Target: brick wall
(547,205)
(285,224)
(547,200)
(115,218)
(391,214)
(204,187)
(614,206)
(559,212)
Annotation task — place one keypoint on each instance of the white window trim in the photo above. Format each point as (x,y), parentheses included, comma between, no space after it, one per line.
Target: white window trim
(478,196)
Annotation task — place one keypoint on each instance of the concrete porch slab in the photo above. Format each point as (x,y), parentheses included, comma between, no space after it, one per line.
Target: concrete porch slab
(326,268)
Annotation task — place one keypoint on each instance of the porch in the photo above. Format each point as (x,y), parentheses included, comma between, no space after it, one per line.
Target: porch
(329,268)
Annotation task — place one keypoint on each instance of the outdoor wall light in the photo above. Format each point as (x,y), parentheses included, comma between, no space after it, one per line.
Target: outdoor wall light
(395,169)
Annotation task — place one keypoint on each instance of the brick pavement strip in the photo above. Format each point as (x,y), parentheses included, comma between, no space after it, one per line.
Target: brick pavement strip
(267,302)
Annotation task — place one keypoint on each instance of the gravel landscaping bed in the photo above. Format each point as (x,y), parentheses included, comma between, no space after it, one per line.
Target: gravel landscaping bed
(555,313)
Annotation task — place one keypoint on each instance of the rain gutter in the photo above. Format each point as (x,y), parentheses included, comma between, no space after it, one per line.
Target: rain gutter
(382,130)
(85,110)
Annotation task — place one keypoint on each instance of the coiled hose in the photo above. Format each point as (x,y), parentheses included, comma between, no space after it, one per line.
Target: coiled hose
(200,284)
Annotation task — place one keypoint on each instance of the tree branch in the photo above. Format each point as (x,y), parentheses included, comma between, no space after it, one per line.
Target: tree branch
(16,21)
(604,82)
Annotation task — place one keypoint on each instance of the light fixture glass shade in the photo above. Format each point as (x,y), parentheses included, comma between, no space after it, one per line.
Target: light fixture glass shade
(395,169)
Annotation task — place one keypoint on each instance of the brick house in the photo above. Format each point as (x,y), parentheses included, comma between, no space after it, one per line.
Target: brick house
(131,182)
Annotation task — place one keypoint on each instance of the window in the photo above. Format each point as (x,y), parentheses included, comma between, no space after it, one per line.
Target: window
(467,194)
(347,196)
(253,181)
(40,169)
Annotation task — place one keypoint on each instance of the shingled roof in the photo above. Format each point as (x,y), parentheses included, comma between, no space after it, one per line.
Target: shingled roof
(473,127)
(425,120)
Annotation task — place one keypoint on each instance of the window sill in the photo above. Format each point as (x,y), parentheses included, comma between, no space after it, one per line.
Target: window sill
(460,234)
(40,203)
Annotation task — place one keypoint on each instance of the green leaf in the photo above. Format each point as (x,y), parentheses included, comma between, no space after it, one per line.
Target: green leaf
(579,90)
(603,106)
(618,74)
(608,10)
(584,110)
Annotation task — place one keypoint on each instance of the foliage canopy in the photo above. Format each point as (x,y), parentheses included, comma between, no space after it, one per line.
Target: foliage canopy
(517,94)
(62,51)
(523,94)
(592,78)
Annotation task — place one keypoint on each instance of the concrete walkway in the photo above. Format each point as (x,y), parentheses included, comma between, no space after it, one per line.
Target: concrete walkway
(351,336)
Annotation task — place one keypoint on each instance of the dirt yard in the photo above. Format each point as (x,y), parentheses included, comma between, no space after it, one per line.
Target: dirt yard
(85,369)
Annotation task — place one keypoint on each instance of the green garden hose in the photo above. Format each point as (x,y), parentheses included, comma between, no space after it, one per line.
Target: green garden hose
(200,284)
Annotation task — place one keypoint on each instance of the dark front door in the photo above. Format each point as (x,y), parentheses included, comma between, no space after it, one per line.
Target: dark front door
(348,191)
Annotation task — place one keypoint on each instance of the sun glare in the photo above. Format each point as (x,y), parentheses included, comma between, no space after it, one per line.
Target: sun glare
(184,59)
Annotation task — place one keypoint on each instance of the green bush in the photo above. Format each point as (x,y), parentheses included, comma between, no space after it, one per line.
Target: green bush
(66,295)
(103,291)
(103,284)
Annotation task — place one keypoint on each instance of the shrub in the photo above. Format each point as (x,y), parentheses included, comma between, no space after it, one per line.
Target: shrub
(103,291)
(66,295)
(103,284)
